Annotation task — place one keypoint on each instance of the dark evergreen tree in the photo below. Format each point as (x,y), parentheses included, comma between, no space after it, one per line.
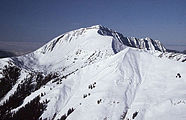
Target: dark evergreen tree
(10,76)
(68,113)
(31,111)
(24,90)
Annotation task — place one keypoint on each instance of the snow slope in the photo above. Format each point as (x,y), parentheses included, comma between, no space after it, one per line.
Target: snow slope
(97,41)
(174,56)
(101,78)
(128,82)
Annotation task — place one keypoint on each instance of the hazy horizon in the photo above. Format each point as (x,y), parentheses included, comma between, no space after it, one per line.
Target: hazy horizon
(25,47)
(42,20)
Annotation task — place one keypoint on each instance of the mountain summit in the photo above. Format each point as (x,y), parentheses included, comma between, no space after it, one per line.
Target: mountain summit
(100,41)
(93,73)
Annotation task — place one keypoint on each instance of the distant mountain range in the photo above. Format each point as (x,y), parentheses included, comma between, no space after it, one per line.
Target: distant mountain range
(9,49)
(184,52)
(4,54)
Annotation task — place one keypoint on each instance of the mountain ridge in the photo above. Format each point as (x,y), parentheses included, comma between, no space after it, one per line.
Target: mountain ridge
(91,73)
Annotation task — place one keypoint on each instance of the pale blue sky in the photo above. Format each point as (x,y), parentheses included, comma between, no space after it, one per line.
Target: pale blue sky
(42,20)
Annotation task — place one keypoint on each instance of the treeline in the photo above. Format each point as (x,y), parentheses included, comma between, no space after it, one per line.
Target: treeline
(64,117)
(31,111)
(10,76)
(28,85)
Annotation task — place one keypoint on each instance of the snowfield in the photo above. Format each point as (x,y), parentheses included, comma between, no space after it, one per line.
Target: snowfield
(101,76)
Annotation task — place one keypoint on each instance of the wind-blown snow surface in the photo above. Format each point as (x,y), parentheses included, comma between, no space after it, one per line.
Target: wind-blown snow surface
(174,56)
(104,79)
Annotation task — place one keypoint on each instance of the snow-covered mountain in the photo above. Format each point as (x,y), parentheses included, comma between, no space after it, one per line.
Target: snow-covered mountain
(93,73)
(174,56)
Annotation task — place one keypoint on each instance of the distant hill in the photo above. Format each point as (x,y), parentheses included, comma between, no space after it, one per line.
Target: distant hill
(184,51)
(10,49)
(4,54)
(176,51)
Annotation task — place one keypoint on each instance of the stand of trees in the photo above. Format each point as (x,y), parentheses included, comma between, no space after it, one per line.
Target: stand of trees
(31,111)
(64,117)
(11,75)
(34,108)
